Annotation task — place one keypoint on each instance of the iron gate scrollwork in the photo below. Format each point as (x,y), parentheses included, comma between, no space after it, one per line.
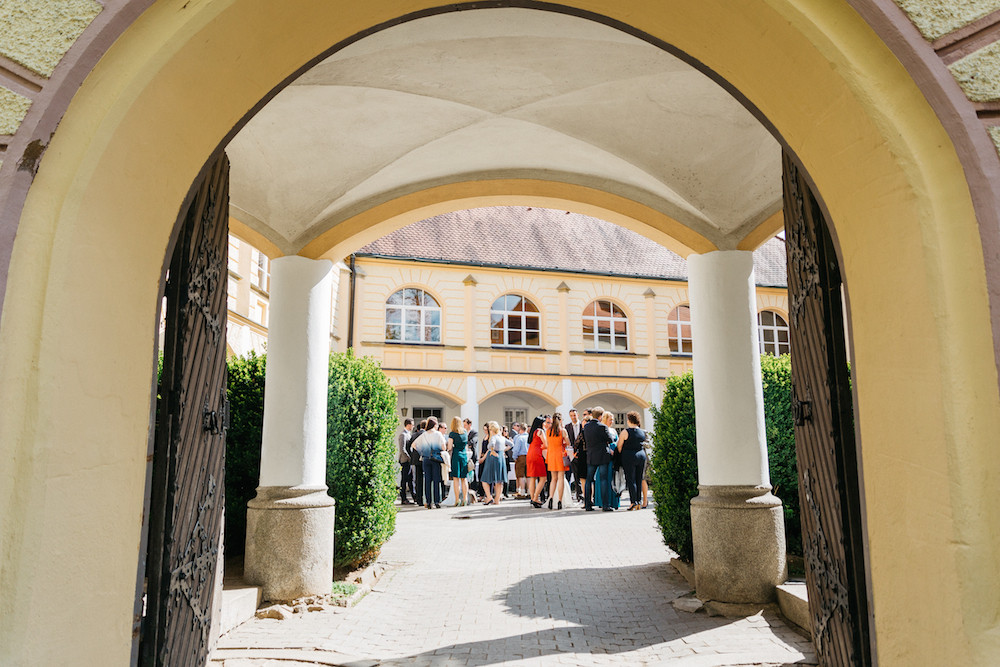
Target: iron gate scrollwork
(828,462)
(186,496)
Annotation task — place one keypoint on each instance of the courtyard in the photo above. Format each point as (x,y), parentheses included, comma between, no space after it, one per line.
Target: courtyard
(512,585)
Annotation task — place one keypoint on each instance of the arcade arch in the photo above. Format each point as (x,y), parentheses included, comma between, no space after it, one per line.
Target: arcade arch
(905,226)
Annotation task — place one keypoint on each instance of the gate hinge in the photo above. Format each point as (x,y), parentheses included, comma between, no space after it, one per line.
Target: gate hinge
(217,421)
(801,411)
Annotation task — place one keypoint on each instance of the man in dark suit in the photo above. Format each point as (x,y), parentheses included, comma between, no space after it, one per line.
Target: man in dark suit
(598,439)
(416,464)
(573,427)
(403,456)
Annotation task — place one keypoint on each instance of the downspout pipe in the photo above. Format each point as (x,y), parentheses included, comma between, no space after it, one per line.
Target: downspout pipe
(350,305)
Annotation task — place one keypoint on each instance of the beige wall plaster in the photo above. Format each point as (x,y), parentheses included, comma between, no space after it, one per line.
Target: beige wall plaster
(38,34)
(13,108)
(979,74)
(936,18)
(995,134)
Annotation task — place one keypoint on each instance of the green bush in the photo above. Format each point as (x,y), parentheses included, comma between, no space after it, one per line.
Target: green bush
(674,464)
(674,472)
(245,389)
(776,376)
(361,458)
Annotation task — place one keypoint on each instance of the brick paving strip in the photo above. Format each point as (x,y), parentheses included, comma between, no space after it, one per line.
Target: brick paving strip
(512,585)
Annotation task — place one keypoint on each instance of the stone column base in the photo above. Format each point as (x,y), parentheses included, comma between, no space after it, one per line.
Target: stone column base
(290,542)
(738,535)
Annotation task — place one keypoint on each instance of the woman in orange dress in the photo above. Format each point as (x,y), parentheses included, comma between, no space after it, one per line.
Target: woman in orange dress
(557,439)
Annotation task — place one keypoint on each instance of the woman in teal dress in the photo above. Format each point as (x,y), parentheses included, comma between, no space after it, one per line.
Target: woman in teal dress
(458,445)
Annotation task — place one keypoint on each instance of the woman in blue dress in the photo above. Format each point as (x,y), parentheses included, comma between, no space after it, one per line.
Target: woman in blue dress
(495,466)
(458,443)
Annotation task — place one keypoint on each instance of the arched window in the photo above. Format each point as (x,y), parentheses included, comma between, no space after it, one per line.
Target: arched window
(605,327)
(514,321)
(412,316)
(679,330)
(772,331)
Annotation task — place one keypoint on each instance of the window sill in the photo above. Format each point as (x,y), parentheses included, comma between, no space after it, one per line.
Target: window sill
(260,291)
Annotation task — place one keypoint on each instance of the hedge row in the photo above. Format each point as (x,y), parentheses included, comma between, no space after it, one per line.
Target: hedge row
(674,473)
(360,453)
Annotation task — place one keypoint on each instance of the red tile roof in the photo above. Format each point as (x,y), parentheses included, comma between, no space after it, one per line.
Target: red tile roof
(546,239)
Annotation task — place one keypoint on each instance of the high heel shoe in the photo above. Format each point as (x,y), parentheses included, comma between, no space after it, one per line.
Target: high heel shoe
(550,503)
(535,504)
(559,506)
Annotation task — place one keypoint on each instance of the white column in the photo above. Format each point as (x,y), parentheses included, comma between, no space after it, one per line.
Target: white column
(655,399)
(470,409)
(290,521)
(293,450)
(737,529)
(567,399)
(729,400)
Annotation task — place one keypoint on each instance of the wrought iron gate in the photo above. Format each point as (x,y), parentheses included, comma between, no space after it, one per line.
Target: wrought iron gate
(829,491)
(186,497)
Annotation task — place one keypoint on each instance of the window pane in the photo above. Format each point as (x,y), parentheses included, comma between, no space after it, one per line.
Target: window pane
(621,343)
(432,334)
(496,336)
(499,304)
(532,339)
(603,342)
(685,331)
(411,297)
(686,347)
(683,313)
(588,328)
(396,298)
(518,304)
(672,332)
(768,335)
(412,333)
(591,309)
(529,307)
(514,321)
(603,327)
(766,318)
(427,299)
(621,328)
(412,316)
(514,337)
(531,323)
(393,332)
(779,320)
(511,301)
(616,311)
(783,336)
(432,317)
(393,316)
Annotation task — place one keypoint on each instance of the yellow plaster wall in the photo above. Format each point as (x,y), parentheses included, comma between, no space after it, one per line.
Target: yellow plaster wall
(79,322)
(13,108)
(37,34)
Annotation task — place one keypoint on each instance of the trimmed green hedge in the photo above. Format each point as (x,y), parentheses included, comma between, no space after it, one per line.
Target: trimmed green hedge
(674,472)
(246,404)
(361,454)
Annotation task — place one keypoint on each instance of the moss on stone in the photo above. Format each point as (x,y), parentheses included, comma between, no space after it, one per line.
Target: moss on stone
(936,18)
(38,33)
(995,134)
(13,108)
(979,74)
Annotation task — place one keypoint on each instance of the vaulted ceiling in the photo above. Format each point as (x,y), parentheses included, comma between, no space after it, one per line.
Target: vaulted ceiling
(502,93)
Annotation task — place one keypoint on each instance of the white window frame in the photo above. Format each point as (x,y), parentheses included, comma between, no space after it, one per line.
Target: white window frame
(512,415)
(260,272)
(676,343)
(592,340)
(505,327)
(423,313)
(233,260)
(774,347)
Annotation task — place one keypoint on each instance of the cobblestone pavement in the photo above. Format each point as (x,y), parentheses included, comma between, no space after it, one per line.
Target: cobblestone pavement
(512,585)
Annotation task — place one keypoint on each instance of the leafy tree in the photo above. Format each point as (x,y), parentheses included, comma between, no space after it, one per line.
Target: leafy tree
(245,389)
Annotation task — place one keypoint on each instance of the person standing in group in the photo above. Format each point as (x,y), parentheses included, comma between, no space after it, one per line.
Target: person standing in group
(598,440)
(458,442)
(508,459)
(494,460)
(473,435)
(536,459)
(580,461)
(403,456)
(520,453)
(608,470)
(630,444)
(446,465)
(430,444)
(416,464)
(648,448)
(573,431)
(555,454)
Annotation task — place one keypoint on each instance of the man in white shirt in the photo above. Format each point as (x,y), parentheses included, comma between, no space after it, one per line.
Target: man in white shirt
(520,454)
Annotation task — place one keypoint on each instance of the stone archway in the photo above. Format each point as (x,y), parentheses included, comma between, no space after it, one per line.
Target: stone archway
(910,193)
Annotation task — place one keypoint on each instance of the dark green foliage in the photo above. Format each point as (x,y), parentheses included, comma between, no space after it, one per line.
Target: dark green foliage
(776,374)
(361,456)
(674,473)
(246,403)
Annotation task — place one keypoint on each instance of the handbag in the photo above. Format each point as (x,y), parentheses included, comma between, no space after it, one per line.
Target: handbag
(565,460)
